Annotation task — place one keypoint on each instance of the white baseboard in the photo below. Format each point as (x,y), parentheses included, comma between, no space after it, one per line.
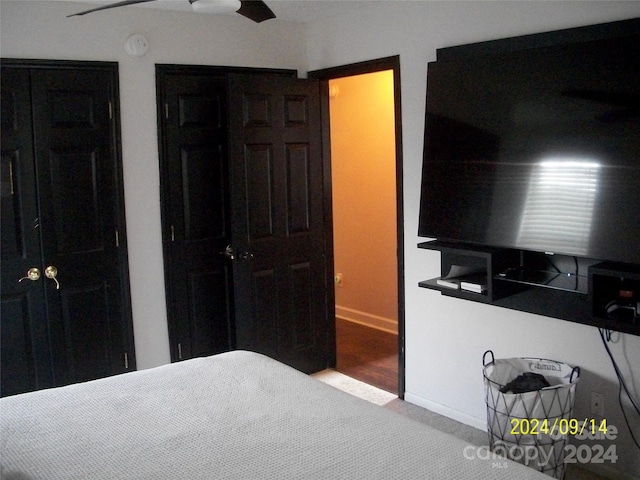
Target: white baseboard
(374,321)
(479,423)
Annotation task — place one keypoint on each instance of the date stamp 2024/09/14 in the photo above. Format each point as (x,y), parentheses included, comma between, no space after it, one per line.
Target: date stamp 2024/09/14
(559,426)
(598,431)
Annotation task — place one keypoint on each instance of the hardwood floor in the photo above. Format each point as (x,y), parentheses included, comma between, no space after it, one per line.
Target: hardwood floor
(367,354)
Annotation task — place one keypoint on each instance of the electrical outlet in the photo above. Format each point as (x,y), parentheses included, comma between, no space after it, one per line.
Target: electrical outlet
(597,404)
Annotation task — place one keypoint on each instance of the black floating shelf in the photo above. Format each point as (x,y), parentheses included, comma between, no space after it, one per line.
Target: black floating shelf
(579,290)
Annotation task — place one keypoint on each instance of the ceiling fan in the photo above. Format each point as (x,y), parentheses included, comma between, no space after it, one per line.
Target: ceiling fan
(255,10)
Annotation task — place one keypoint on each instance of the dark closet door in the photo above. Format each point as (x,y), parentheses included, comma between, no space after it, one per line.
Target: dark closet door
(75,236)
(26,360)
(195,208)
(277,209)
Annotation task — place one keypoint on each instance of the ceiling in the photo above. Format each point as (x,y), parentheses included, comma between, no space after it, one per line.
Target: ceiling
(304,11)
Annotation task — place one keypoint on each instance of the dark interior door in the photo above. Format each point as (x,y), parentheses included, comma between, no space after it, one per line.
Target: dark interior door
(26,359)
(65,219)
(195,208)
(277,210)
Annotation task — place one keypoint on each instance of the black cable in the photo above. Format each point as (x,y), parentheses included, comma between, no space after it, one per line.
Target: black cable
(615,366)
(605,335)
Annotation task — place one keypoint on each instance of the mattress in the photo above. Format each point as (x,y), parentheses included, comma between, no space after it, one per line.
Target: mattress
(237,415)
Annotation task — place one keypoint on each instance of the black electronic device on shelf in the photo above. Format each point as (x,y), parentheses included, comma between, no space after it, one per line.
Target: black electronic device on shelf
(532,154)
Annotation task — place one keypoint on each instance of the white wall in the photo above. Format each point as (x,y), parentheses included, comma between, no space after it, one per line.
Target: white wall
(445,338)
(40,30)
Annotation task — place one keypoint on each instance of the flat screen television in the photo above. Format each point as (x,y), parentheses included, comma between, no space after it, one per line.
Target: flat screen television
(535,145)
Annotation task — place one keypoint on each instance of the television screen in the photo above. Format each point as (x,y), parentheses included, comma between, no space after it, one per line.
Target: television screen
(536,149)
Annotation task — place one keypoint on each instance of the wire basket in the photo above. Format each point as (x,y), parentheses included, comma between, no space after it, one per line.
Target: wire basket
(530,427)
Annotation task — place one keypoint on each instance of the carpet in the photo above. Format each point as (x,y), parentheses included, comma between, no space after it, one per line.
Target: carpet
(442,423)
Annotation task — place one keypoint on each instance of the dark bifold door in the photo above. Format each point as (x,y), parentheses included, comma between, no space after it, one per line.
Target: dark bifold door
(65,303)
(277,208)
(195,210)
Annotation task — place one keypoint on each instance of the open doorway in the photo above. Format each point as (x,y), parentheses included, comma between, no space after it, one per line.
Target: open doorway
(366,196)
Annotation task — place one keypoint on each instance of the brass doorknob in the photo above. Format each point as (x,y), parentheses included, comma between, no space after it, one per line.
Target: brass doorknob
(33,274)
(51,272)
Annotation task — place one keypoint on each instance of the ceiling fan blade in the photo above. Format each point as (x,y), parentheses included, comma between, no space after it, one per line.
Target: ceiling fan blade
(111,5)
(255,10)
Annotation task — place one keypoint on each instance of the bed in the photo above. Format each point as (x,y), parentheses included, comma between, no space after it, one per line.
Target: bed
(237,415)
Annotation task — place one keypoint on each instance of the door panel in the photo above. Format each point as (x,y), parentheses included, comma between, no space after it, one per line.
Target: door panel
(260,189)
(24,323)
(203,194)
(301,288)
(194,185)
(20,371)
(76,185)
(259,330)
(60,208)
(277,219)
(75,200)
(210,331)
(298,201)
(13,208)
(87,332)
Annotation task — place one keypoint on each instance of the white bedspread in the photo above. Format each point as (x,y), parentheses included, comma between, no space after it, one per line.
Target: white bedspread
(237,415)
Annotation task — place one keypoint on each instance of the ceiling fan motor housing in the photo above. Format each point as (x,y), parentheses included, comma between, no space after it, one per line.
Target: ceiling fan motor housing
(215,6)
